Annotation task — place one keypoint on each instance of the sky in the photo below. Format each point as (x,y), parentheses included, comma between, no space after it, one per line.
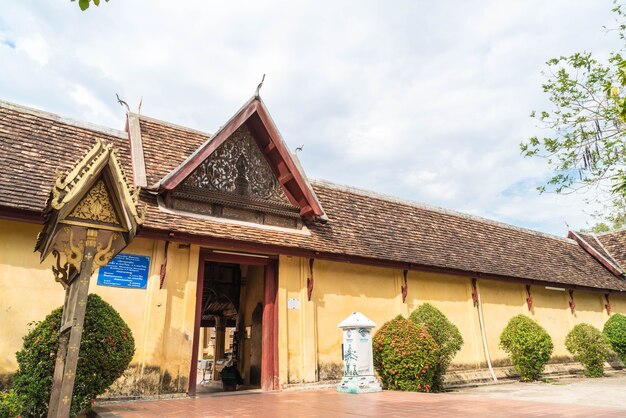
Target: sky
(426,101)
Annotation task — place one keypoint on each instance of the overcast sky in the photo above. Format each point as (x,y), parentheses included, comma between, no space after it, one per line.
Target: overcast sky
(423,100)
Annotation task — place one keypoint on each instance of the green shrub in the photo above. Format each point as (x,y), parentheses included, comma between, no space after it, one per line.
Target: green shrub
(11,404)
(528,344)
(590,347)
(405,356)
(615,330)
(445,334)
(106,349)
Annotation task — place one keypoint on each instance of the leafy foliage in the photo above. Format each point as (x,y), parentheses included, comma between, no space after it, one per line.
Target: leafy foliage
(615,330)
(445,334)
(106,349)
(590,347)
(405,356)
(84,4)
(11,404)
(586,126)
(529,345)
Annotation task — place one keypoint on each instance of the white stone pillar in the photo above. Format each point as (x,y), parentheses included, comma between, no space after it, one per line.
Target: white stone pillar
(358,362)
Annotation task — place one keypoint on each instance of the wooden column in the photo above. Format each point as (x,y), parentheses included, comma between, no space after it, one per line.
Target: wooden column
(193,373)
(269,362)
(72,333)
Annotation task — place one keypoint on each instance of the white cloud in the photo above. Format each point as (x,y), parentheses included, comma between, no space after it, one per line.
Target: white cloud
(423,100)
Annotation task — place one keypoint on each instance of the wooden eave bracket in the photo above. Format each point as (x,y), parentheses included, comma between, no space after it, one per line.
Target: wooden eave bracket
(163,270)
(310,280)
(572,302)
(405,286)
(474,293)
(608,304)
(529,298)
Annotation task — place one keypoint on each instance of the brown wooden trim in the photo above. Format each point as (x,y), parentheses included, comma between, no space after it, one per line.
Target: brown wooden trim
(208,148)
(22,215)
(285,155)
(193,372)
(271,249)
(241,258)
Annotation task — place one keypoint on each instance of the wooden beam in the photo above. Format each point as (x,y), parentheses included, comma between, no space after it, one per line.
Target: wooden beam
(285,178)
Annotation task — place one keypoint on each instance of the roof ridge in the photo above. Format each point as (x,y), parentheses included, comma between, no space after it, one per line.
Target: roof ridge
(171,125)
(65,120)
(433,208)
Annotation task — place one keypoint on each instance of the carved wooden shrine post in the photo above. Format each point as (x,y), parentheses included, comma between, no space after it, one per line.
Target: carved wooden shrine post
(90,216)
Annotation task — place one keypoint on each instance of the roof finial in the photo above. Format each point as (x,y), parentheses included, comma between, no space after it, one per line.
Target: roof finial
(567,225)
(139,107)
(122,102)
(256,93)
(300,148)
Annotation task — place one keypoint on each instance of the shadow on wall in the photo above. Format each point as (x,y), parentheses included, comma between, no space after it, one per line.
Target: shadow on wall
(153,379)
(330,371)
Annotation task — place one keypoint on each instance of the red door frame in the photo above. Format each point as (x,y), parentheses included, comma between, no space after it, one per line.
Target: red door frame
(269,328)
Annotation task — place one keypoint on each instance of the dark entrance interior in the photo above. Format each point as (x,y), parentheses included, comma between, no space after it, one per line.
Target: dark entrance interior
(234,321)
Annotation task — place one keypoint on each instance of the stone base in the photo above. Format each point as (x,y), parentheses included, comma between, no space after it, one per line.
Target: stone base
(359,384)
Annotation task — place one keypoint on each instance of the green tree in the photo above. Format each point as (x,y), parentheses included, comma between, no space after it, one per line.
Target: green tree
(84,4)
(590,347)
(106,349)
(585,142)
(528,344)
(445,334)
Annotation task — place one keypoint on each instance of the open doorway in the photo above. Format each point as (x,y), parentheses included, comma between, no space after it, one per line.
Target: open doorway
(235,322)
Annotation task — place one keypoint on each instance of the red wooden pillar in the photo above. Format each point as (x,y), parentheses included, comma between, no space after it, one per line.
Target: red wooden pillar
(269,351)
(193,373)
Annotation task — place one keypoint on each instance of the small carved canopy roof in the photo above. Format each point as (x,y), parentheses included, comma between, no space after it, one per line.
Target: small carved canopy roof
(357,320)
(92,194)
(284,165)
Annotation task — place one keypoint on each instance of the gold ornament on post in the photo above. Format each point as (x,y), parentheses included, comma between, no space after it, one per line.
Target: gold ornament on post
(91,215)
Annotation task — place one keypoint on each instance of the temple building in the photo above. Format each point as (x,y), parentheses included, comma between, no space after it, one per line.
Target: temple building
(242,255)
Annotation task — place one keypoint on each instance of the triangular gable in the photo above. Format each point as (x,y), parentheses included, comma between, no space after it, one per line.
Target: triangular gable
(255,117)
(93,194)
(610,264)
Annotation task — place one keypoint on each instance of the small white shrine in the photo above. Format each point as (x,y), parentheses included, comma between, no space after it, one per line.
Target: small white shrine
(358,363)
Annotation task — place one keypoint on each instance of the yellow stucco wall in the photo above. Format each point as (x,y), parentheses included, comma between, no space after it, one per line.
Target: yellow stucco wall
(28,291)
(341,288)
(161,320)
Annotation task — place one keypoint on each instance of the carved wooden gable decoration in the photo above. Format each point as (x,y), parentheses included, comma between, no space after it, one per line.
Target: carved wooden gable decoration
(244,172)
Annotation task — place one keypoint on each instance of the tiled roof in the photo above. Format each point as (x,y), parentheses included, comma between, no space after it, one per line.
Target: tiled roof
(360,224)
(35,144)
(157,136)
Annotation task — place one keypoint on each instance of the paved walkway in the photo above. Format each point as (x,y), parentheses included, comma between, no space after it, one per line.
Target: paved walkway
(608,391)
(328,403)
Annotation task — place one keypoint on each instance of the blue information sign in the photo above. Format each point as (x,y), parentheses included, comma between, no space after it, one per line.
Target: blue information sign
(125,270)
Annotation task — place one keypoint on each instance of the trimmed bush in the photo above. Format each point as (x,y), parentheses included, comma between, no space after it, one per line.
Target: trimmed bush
(615,330)
(590,347)
(528,344)
(11,404)
(405,356)
(106,349)
(445,334)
